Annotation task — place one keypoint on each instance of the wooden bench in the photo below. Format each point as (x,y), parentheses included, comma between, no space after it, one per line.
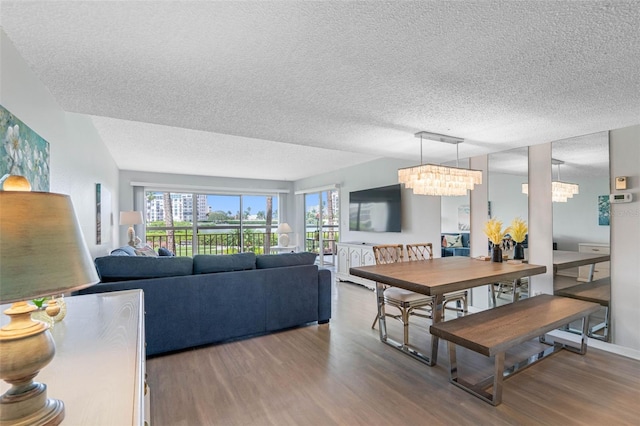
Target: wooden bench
(598,291)
(494,331)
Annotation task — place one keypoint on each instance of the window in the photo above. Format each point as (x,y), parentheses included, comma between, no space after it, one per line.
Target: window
(222,224)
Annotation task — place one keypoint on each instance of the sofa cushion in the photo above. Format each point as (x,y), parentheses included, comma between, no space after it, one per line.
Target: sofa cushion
(211,263)
(125,268)
(124,251)
(285,259)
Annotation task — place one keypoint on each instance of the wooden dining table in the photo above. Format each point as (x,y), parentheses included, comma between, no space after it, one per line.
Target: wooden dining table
(435,277)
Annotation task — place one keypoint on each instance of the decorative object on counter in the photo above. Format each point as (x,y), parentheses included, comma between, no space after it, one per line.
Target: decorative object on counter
(283,230)
(493,230)
(131,218)
(431,179)
(42,252)
(518,232)
(52,312)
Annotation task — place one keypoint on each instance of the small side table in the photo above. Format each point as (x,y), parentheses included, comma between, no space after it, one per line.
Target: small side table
(287,249)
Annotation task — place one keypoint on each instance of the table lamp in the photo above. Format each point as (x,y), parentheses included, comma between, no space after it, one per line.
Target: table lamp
(283,230)
(131,218)
(42,253)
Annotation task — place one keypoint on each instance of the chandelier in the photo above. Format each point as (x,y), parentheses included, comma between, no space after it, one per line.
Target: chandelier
(560,191)
(431,179)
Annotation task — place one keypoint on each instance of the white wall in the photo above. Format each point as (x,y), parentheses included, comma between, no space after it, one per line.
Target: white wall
(79,158)
(420,213)
(625,239)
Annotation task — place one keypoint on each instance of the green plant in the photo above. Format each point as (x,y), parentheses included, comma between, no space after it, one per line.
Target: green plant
(39,302)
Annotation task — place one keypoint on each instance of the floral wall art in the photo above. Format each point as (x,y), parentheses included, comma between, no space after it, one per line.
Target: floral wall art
(603,210)
(23,152)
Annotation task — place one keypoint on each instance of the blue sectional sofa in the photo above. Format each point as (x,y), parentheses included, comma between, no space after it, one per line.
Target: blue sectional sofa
(208,299)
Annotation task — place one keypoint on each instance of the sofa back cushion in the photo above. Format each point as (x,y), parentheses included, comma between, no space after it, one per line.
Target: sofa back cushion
(125,268)
(211,263)
(266,261)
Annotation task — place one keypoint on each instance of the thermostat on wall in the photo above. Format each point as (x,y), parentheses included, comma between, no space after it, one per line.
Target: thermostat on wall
(624,197)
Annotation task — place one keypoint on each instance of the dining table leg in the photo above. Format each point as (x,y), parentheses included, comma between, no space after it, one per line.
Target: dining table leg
(437,316)
(382,320)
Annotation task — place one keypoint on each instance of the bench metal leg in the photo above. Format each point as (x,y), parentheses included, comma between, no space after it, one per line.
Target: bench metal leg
(500,373)
(478,389)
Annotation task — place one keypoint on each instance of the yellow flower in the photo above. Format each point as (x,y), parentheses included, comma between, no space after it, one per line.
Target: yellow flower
(519,230)
(493,230)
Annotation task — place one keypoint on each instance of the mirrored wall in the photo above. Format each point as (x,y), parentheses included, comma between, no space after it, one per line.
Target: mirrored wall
(581,222)
(508,172)
(455,220)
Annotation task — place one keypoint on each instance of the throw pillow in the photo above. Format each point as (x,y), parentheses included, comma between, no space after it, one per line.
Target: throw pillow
(123,251)
(145,251)
(454,240)
(164,252)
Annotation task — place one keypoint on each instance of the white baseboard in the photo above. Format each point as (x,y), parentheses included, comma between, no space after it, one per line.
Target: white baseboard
(598,344)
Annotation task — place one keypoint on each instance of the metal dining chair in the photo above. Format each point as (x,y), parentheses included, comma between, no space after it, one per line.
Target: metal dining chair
(407,302)
(424,251)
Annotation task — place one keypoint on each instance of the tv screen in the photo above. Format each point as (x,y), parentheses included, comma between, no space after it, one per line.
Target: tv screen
(376,209)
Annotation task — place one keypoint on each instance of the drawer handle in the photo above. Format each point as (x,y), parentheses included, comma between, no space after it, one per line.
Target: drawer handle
(595,249)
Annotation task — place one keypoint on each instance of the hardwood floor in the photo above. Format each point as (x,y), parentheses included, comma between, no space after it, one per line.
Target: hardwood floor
(341,374)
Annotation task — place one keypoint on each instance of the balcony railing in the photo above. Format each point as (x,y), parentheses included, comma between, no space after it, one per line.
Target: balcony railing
(226,239)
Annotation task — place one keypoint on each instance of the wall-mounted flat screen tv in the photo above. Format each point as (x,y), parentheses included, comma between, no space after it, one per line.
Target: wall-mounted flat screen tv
(376,209)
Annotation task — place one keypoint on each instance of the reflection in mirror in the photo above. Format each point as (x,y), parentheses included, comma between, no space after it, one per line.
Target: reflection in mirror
(455,225)
(581,224)
(508,171)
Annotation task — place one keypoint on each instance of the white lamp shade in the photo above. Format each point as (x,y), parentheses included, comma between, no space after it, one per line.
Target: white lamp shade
(131,218)
(42,249)
(284,228)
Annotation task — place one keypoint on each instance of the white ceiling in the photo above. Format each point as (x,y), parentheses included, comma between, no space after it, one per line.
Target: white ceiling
(286,90)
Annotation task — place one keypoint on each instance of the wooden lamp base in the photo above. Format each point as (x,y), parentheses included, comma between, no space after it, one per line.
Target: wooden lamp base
(26,346)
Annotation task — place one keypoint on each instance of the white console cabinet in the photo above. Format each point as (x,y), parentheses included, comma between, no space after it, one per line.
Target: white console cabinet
(602,269)
(351,255)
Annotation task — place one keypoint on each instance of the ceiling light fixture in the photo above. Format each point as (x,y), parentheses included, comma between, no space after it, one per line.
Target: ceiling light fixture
(560,191)
(431,179)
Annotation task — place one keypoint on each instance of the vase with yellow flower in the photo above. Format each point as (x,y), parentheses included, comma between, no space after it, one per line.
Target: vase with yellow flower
(519,231)
(493,230)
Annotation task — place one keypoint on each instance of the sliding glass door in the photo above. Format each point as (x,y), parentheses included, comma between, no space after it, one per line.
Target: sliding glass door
(321,218)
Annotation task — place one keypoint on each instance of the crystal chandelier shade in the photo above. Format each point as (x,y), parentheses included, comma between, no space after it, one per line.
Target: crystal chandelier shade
(431,179)
(560,191)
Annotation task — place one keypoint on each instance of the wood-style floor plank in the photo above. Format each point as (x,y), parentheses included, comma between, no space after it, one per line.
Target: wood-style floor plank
(341,374)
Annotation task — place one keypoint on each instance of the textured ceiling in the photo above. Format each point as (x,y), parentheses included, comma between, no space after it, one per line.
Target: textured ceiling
(285,90)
